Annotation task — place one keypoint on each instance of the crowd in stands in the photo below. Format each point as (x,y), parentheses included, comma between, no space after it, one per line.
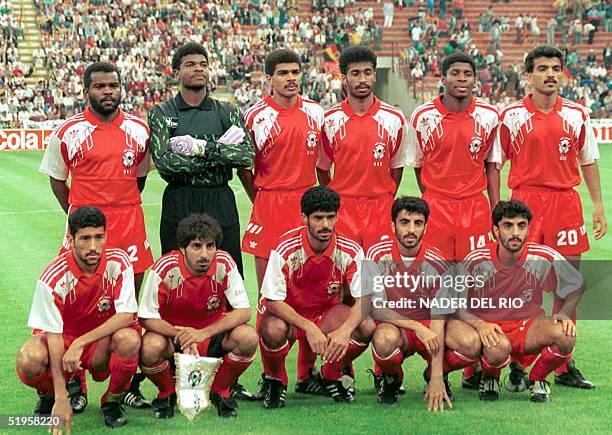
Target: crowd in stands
(140,36)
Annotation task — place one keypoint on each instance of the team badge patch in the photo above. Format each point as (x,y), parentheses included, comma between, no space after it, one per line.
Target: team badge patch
(104,304)
(213,303)
(312,139)
(564,146)
(333,287)
(128,158)
(379,150)
(475,144)
(527,296)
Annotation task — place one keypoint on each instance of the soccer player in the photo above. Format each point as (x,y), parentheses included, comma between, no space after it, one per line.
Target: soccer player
(194,301)
(286,131)
(515,270)
(547,138)
(104,152)
(364,140)
(301,291)
(453,149)
(84,309)
(409,321)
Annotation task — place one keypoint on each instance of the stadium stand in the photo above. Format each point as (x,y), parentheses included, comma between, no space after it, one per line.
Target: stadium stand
(43,80)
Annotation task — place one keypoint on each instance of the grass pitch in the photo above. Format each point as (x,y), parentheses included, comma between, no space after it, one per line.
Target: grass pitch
(31,229)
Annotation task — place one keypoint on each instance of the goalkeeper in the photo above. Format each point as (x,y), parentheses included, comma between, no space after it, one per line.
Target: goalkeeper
(194,301)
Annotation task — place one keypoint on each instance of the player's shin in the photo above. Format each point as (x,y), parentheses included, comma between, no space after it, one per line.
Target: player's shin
(161,375)
(232,367)
(550,358)
(275,360)
(122,369)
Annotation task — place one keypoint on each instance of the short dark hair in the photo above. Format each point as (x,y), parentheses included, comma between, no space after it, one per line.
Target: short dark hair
(510,209)
(411,204)
(357,53)
(542,51)
(457,56)
(282,55)
(186,50)
(320,198)
(196,227)
(85,217)
(99,67)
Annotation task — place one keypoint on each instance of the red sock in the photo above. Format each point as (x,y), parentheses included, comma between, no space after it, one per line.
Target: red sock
(333,371)
(453,360)
(391,365)
(492,370)
(557,305)
(229,372)
(122,370)
(377,370)
(468,372)
(161,375)
(550,358)
(43,383)
(306,360)
(275,360)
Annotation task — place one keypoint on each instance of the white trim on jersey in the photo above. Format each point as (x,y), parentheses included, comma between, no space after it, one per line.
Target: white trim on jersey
(45,314)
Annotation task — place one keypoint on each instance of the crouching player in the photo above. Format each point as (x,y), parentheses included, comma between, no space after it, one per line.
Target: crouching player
(301,289)
(514,275)
(85,307)
(194,301)
(411,312)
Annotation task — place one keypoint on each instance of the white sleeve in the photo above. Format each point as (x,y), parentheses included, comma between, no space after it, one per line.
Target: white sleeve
(353,273)
(126,302)
(45,314)
(149,300)
(399,159)
(494,153)
(569,279)
(53,163)
(274,286)
(414,154)
(144,167)
(236,293)
(589,151)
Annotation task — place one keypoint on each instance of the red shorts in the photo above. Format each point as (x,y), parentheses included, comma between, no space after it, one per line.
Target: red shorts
(318,320)
(458,226)
(125,229)
(415,345)
(516,331)
(359,218)
(557,219)
(274,213)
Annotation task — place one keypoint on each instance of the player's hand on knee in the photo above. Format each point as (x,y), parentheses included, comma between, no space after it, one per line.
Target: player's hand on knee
(63,410)
(337,344)
(188,336)
(488,333)
(71,361)
(569,327)
(436,395)
(430,339)
(316,339)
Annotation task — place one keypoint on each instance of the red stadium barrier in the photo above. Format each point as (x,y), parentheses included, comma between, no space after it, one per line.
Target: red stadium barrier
(20,139)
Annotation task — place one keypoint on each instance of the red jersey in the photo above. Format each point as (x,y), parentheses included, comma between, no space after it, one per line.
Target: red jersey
(452,147)
(286,143)
(423,281)
(312,283)
(363,149)
(545,149)
(68,301)
(540,268)
(173,294)
(103,160)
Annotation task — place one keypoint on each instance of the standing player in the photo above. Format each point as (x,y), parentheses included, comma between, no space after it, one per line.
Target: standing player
(453,149)
(514,270)
(84,307)
(547,138)
(363,139)
(194,299)
(406,324)
(286,131)
(301,291)
(104,151)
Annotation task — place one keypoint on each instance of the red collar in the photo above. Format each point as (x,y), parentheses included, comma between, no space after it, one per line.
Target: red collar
(346,108)
(77,272)
(94,120)
(270,102)
(498,263)
(528,103)
(439,105)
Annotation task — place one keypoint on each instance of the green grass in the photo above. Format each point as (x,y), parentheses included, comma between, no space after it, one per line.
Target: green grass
(31,228)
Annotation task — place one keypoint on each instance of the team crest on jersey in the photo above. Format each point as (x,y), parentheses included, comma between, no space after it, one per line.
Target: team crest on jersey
(527,296)
(213,303)
(333,287)
(379,153)
(564,147)
(128,158)
(104,304)
(475,144)
(312,139)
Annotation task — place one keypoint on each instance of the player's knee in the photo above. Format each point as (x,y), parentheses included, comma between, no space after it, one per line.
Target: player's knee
(498,354)
(469,345)
(274,331)
(366,330)
(152,349)
(566,343)
(385,340)
(32,359)
(247,339)
(126,342)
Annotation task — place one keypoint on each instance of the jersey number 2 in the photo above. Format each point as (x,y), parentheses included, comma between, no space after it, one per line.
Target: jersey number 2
(132,251)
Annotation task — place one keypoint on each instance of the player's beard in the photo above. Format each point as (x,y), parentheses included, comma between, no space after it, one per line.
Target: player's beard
(354,94)
(410,245)
(317,235)
(506,243)
(194,88)
(99,108)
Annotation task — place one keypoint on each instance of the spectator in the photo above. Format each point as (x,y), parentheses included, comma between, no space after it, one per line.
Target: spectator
(590,30)
(518,26)
(388,11)
(551,26)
